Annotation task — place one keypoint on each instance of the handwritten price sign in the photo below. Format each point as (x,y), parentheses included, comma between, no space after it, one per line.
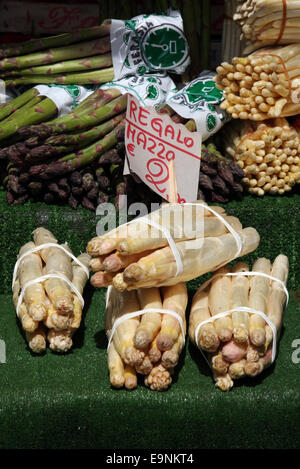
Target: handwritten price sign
(152,141)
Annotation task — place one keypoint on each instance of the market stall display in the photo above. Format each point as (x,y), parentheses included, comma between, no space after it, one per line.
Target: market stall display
(249,309)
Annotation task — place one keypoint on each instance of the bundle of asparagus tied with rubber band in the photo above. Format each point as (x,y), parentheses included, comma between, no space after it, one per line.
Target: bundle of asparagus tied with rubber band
(268,153)
(265,22)
(262,85)
(82,57)
(241,343)
(150,343)
(173,244)
(48,285)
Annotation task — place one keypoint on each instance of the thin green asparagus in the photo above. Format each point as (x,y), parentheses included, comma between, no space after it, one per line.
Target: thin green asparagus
(67,66)
(80,159)
(11,50)
(83,49)
(9,108)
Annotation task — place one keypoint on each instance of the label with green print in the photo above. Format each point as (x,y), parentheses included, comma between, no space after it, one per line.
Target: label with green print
(149,89)
(200,100)
(66,97)
(149,43)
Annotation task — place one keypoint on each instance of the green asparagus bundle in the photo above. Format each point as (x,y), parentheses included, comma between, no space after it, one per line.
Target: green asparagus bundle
(100,106)
(34,45)
(32,112)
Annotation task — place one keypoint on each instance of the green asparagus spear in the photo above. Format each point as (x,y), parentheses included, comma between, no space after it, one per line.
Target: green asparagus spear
(83,49)
(62,144)
(95,77)
(41,112)
(12,106)
(80,159)
(11,50)
(90,118)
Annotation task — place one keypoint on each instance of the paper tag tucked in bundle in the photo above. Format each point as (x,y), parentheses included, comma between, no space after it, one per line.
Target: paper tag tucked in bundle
(149,42)
(149,89)
(199,100)
(65,97)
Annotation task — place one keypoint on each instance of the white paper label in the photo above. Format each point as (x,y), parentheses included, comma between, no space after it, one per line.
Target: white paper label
(200,100)
(65,97)
(148,43)
(150,89)
(152,140)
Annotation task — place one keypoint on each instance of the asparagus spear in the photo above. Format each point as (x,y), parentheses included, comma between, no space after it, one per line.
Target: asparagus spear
(62,144)
(83,49)
(12,106)
(11,50)
(85,116)
(94,77)
(42,112)
(66,66)
(82,158)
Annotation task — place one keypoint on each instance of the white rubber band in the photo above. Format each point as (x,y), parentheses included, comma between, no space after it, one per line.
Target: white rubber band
(40,280)
(140,313)
(171,242)
(244,308)
(43,246)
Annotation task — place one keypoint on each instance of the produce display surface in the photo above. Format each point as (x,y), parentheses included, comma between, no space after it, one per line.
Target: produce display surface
(66,401)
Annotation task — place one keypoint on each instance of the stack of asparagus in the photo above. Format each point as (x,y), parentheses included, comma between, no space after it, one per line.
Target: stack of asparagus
(138,255)
(82,57)
(149,344)
(239,344)
(49,161)
(262,85)
(268,153)
(267,23)
(49,310)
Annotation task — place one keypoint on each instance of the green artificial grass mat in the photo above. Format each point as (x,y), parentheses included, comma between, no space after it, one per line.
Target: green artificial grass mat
(65,401)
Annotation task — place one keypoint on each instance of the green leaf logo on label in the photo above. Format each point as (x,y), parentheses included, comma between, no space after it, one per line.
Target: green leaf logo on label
(130,24)
(152,92)
(141,70)
(73,90)
(204,90)
(211,122)
(164,47)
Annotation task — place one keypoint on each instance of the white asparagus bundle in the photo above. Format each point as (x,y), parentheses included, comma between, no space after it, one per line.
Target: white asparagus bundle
(139,256)
(232,46)
(265,23)
(149,344)
(235,358)
(198,256)
(41,310)
(262,85)
(268,153)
